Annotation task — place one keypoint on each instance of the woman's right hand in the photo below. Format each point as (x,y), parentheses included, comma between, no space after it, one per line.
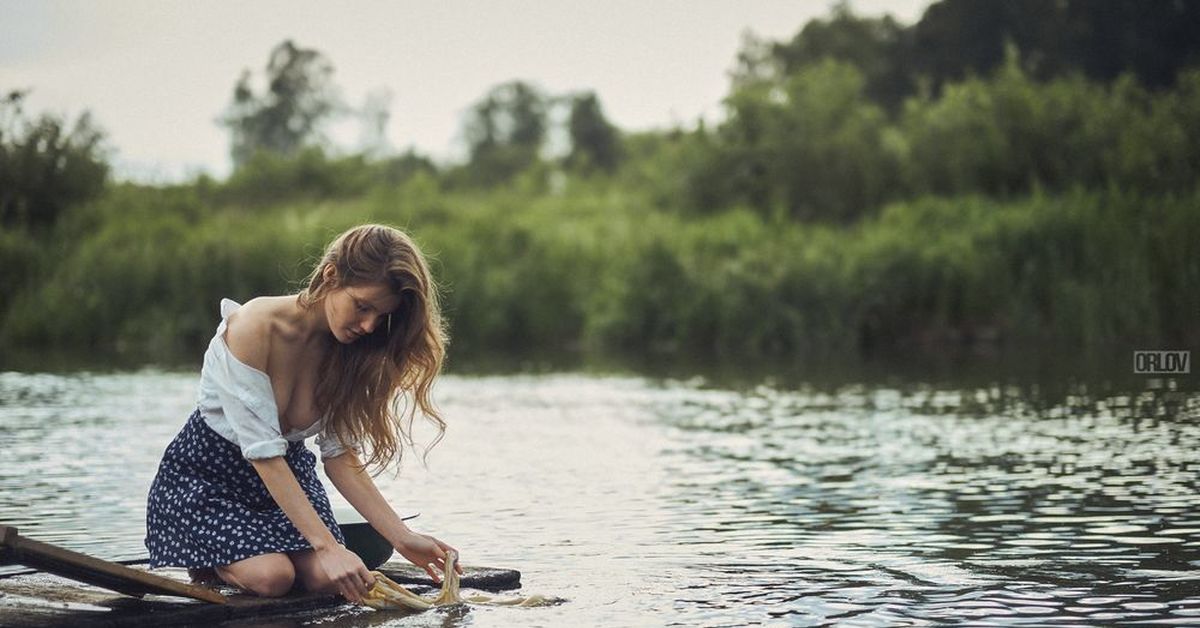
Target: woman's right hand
(346,571)
(427,553)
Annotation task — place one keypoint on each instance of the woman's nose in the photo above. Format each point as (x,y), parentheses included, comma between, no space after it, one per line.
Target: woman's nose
(369,325)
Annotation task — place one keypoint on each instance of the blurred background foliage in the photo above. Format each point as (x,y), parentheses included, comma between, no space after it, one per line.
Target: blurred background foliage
(995,174)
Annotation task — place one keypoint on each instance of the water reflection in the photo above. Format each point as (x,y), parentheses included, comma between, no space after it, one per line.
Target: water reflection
(671,501)
(893,506)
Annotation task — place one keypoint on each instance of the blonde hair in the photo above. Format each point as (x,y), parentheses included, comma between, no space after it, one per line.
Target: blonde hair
(372,388)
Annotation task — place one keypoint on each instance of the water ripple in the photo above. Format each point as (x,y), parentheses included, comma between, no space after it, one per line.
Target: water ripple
(673,502)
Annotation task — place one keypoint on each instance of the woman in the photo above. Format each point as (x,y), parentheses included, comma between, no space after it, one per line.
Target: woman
(237,490)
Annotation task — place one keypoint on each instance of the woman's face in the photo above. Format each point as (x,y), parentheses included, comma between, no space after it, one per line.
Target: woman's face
(355,311)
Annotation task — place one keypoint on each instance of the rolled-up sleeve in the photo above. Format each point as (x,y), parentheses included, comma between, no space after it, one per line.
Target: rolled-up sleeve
(330,445)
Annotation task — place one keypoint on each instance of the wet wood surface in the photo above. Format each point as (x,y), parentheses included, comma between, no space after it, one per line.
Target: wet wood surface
(41,599)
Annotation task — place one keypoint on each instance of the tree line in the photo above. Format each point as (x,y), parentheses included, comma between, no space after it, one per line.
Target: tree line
(996,170)
(851,112)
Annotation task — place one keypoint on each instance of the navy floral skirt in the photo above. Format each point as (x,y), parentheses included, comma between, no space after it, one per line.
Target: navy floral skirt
(209,507)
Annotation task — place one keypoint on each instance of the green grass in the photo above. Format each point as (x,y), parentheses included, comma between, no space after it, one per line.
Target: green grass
(596,269)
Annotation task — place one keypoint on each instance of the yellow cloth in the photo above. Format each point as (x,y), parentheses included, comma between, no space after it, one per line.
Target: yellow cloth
(385,593)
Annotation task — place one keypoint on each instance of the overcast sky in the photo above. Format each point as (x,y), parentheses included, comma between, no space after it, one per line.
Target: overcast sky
(157,73)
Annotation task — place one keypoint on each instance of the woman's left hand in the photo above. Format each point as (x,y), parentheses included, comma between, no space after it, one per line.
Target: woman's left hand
(427,553)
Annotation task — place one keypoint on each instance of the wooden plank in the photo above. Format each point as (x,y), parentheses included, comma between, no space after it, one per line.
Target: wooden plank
(6,554)
(101,573)
(485,578)
(27,570)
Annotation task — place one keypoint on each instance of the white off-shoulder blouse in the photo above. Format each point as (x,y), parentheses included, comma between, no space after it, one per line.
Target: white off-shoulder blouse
(237,402)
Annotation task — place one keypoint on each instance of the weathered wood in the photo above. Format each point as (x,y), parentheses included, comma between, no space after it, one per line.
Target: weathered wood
(42,600)
(101,573)
(7,557)
(38,600)
(483,578)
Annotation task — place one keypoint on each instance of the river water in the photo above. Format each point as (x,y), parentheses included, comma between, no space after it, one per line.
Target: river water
(684,501)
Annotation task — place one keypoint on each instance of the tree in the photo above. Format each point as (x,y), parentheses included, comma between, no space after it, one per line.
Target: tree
(958,39)
(594,142)
(807,146)
(1154,39)
(46,165)
(505,131)
(400,168)
(374,116)
(299,100)
(878,47)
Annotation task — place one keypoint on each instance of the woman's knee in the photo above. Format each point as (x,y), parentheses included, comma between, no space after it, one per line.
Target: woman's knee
(269,575)
(309,573)
(275,583)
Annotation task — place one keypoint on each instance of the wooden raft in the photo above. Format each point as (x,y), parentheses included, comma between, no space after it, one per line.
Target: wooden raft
(40,599)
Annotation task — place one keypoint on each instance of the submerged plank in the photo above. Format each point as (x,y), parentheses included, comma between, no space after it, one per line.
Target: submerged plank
(484,578)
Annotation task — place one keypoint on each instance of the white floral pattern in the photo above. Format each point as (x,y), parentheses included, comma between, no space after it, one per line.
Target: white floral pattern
(209,507)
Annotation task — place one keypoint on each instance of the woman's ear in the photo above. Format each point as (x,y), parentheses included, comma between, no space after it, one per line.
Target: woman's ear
(329,274)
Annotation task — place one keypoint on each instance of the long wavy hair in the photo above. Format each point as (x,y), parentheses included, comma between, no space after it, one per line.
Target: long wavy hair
(372,388)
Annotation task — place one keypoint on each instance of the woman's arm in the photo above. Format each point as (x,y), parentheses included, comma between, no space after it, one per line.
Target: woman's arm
(356,485)
(341,566)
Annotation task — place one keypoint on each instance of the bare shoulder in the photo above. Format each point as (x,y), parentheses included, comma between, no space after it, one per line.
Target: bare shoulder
(250,330)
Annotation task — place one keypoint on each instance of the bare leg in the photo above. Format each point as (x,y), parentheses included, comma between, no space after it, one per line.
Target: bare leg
(268,575)
(309,574)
